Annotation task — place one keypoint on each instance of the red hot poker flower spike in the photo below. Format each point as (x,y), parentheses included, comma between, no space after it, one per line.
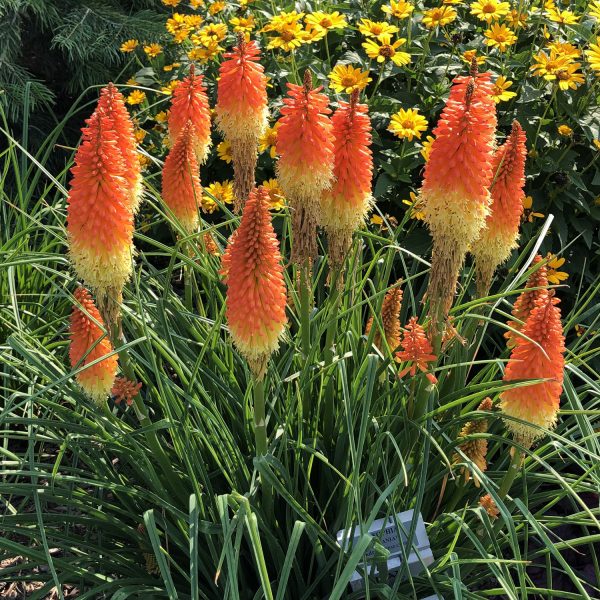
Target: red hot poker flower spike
(181,187)
(190,103)
(96,381)
(499,236)
(537,355)
(416,351)
(256,294)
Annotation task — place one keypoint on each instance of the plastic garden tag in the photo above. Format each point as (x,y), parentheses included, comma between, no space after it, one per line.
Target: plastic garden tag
(385,557)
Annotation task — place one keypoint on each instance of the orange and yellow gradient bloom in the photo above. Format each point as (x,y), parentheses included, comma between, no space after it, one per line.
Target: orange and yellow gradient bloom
(89,343)
(499,236)
(345,205)
(538,354)
(241,112)
(455,192)
(305,165)
(181,189)
(190,103)
(100,210)
(256,293)
(416,351)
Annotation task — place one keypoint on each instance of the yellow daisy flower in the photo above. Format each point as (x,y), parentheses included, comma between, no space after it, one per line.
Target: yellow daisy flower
(416,207)
(268,141)
(381,48)
(170,87)
(243,24)
(162,116)
(398,9)
(216,7)
(597,144)
(276,197)
(129,46)
(283,20)
(426,149)
(500,91)
(209,34)
(136,97)
(224,151)
(196,4)
(564,49)
(205,54)
(153,50)
(168,68)
(593,56)
(565,130)
(516,19)
(171,3)
(594,9)
(288,38)
(346,78)
(469,55)
(489,10)
(439,17)
(500,36)
(408,124)
(564,17)
(376,28)
(221,191)
(547,65)
(528,214)
(569,77)
(322,21)
(554,275)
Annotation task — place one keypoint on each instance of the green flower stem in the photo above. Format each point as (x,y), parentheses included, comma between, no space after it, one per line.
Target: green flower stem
(511,473)
(335,297)
(305,307)
(260,437)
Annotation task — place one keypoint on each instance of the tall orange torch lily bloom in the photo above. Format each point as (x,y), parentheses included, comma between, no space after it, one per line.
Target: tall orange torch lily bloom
(256,293)
(345,206)
(455,192)
(535,288)
(181,187)
(97,380)
(416,351)
(305,165)
(242,112)
(99,210)
(499,236)
(112,104)
(539,354)
(190,103)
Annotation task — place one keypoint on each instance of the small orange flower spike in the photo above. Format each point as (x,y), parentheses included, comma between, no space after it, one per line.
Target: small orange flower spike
(190,103)
(256,293)
(99,210)
(241,112)
(455,193)
(499,236)
(305,165)
(525,303)
(416,350)
(125,390)
(181,187)
(539,354)
(112,104)
(96,381)
(488,504)
(345,206)
(390,318)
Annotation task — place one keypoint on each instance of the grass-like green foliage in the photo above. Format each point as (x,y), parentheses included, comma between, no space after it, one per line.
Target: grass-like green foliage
(78,481)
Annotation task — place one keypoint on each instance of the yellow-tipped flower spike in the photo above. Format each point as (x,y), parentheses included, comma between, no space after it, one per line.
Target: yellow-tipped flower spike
(455,193)
(181,180)
(88,343)
(345,206)
(100,212)
(256,294)
(305,165)
(241,112)
(499,236)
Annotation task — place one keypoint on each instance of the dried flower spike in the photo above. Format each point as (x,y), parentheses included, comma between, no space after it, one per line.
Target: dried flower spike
(455,193)
(305,165)
(256,293)
(345,206)
(536,355)
(241,112)
(190,103)
(390,318)
(499,236)
(416,351)
(488,504)
(125,390)
(181,187)
(89,343)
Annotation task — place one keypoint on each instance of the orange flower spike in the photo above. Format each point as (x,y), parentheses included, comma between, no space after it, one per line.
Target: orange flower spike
(112,104)
(390,319)
(125,390)
(539,354)
(499,236)
(99,212)
(97,380)
(345,206)
(455,192)
(241,111)
(190,103)
(305,165)
(256,293)
(181,187)
(526,302)
(416,350)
